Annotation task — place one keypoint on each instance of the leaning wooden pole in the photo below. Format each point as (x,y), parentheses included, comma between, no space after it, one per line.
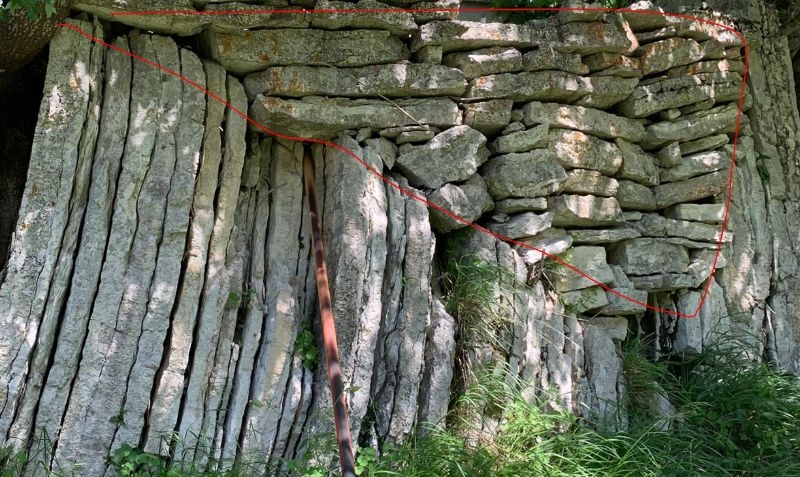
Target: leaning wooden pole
(328,327)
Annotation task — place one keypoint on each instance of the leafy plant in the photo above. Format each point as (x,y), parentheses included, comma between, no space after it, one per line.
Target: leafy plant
(305,346)
(12,462)
(34,8)
(132,462)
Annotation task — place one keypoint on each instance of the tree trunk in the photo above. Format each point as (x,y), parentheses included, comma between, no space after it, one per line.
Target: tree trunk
(23,38)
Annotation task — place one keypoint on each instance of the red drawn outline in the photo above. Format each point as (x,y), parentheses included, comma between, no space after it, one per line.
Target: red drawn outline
(420,198)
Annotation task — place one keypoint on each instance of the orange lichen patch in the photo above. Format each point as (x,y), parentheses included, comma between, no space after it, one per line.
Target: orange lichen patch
(225,44)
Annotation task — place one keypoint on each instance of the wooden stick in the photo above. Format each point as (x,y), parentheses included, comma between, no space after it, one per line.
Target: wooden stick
(328,328)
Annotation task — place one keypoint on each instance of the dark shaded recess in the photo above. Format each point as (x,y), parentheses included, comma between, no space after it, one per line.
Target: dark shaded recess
(20,95)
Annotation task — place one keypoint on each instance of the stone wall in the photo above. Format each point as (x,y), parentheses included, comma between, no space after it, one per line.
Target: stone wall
(173,276)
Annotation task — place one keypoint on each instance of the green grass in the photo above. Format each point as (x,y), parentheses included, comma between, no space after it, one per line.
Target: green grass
(734,418)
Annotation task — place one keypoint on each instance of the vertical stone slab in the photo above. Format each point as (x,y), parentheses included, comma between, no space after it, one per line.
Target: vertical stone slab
(169,385)
(272,371)
(182,133)
(605,380)
(96,224)
(406,288)
(115,325)
(22,428)
(44,214)
(217,281)
(354,226)
(437,374)
(247,341)
(775,122)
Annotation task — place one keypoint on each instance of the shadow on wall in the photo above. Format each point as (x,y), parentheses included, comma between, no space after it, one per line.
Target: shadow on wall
(20,95)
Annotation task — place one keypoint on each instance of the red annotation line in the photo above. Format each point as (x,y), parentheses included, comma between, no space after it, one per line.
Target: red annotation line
(419,198)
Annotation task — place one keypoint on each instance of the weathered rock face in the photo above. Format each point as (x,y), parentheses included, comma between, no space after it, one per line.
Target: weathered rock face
(167,278)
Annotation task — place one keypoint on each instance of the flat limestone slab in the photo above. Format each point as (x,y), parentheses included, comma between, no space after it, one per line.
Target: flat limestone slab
(248,51)
(322,118)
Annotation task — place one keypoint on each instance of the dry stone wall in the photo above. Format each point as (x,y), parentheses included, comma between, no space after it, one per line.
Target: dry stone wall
(172,286)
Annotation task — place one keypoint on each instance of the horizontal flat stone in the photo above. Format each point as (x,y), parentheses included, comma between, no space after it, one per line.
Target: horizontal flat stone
(677,92)
(453,155)
(691,127)
(589,260)
(581,301)
(521,141)
(546,58)
(461,35)
(620,306)
(702,265)
(241,16)
(468,201)
(526,224)
(598,236)
(583,181)
(591,38)
(575,150)
(716,66)
(663,282)
(513,206)
(397,131)
(528,86)
(703,144)
(486,61)
(249,51)
(696,165)
(634,196)
(414,136)
(645,256)
(654,225)
(614,64)
(396,80)
(702,30)
(606,91)
(547,243)
(522,174)
(708,213)
(182,25)
(665,54)
(691,244)
(589,120)
(488,117)
(656,35)
(323,118)
(398,23)
(584,211)
(426,12)
(691,190)
(614,326)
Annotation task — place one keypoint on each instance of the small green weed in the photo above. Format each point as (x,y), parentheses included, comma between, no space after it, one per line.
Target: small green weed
(12,462)
(305,346)
(131,462)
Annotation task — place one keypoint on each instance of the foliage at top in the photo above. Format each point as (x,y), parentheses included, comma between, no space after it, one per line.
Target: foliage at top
(33,8)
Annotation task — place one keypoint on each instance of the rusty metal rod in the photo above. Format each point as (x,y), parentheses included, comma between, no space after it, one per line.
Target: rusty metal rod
(328,327)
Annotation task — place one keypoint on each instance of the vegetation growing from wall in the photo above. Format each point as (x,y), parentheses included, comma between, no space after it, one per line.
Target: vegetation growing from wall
(34,8)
